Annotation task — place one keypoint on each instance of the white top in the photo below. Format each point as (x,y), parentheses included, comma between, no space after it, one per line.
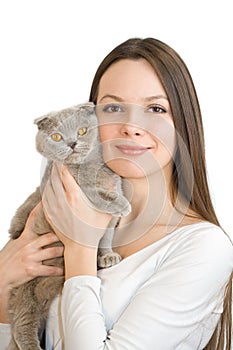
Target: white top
(166,296)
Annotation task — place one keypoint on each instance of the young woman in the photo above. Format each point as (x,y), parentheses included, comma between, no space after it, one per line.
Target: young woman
(172,289)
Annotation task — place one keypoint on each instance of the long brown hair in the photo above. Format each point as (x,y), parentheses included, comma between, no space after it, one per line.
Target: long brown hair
(186,113)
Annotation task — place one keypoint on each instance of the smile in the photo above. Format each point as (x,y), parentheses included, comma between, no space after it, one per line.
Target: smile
(133,150)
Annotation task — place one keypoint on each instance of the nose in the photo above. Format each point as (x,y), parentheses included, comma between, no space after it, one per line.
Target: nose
(132,121)
(72,144)
(131,130)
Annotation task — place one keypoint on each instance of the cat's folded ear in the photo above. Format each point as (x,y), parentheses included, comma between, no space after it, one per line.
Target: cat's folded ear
(41,121)
(48,119)
(88,106)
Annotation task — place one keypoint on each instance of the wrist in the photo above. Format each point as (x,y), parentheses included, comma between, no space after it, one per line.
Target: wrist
(5,288)
(80,260)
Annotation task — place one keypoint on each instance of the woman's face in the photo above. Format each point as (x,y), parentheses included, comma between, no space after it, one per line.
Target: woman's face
(136,126)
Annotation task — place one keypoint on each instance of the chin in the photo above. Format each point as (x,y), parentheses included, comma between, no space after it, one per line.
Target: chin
(126,168)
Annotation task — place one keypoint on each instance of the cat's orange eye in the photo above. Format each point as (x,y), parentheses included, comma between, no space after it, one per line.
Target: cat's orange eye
(56,137)
(82,131)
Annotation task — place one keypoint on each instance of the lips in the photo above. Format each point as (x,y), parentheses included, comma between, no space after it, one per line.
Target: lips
(132,150)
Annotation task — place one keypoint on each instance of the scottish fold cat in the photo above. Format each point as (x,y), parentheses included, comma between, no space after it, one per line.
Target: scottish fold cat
(69,136)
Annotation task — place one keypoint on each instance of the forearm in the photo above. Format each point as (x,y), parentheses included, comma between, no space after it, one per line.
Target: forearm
(4,288)
(21,260)
(4,298)
(5,327)
(82,316)
(81,304)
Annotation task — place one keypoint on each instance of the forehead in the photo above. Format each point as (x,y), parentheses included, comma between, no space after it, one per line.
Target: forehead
(132,80)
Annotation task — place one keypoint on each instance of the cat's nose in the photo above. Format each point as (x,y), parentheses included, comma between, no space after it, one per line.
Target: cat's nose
(72,144)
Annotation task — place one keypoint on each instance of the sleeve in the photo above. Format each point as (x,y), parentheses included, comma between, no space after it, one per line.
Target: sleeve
(177,308)
(54,336)
(5,335)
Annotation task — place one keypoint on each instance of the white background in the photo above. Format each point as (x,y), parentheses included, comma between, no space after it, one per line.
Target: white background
(50,50)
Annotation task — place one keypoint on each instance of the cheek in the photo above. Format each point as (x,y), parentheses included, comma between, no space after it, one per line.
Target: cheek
(164,135)
(107,132)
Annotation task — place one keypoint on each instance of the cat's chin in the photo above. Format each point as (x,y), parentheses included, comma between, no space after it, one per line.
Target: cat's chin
(73,158)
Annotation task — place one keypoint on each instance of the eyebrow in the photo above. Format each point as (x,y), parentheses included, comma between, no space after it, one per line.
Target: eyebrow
(146,99)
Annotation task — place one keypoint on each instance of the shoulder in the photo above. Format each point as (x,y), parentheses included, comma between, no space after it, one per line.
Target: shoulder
(204,245)
(196,258)
(205,235)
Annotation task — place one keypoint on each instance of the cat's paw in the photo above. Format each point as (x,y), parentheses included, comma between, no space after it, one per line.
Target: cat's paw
(126,210)
(108,260)
(119,207)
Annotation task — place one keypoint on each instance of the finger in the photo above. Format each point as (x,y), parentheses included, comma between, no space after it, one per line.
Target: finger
(28,230)
(33,215)
(46,270)
(52,188)
(42,241)
(49,253)
(63,185)
(45,240)
(56,180)
(48,191)
(54,196)
(49,201)
(73,191)
(69,183)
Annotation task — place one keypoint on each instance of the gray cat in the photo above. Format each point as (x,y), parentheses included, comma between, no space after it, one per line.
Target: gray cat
(69,136)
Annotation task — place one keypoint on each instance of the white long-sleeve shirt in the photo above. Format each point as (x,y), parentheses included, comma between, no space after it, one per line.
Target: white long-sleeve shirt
(167,296)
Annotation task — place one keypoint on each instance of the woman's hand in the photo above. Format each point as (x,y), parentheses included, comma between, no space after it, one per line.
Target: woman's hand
(77,224)
(21,260)
(69,212)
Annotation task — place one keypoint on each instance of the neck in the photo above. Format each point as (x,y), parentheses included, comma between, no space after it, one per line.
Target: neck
(152,210)
(151,201)
(148,193)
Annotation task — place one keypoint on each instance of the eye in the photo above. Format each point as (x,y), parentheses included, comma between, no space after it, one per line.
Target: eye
(56,137)
(156,109)
(82,131)
(113,108)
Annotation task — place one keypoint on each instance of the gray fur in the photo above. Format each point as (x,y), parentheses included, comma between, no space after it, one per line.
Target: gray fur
(29,303)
